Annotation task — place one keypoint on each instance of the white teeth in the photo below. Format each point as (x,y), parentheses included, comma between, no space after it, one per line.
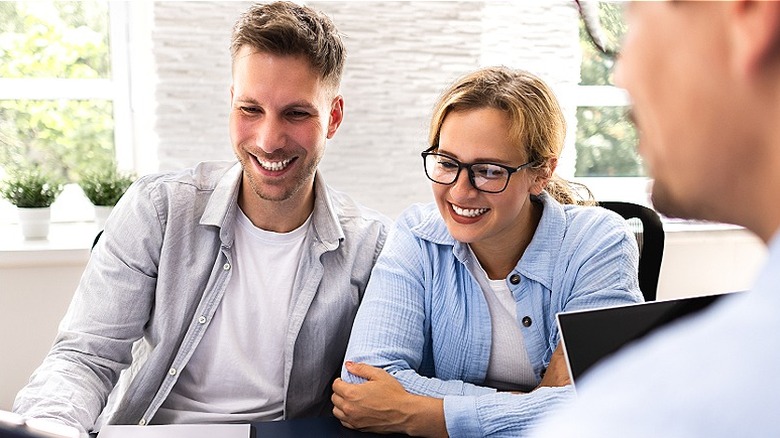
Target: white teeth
(274,165)
(469,212)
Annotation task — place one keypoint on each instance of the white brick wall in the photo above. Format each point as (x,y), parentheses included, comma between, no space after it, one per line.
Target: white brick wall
(400,57)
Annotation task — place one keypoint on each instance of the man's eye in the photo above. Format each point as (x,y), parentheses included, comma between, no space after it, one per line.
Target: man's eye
(250,110)
(297,114)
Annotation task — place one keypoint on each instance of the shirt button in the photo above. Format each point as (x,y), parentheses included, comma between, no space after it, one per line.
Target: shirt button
(202,320)
(527,321)
(226,266)
(514,279)
(142,422)
(172,371)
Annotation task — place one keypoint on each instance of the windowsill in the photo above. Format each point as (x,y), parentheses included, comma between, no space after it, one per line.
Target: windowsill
(688,226)
(68,243)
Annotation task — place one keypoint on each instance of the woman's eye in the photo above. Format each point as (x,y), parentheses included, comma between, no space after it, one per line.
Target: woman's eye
(490,172)
(497,173)
(449,165)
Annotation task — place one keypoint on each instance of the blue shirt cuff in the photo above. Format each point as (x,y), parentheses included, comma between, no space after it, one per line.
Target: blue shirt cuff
(460,416)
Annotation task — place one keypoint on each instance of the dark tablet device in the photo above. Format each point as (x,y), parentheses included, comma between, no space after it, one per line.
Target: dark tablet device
(588,336)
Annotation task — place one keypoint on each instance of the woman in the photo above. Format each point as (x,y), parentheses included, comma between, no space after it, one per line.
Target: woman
(456,332)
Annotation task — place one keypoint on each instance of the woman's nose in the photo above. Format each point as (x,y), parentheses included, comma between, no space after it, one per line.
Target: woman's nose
(462,187)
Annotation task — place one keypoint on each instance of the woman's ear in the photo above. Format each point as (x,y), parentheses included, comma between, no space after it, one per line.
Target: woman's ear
(542,175)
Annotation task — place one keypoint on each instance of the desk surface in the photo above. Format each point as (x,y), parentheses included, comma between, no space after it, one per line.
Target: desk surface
(327,427)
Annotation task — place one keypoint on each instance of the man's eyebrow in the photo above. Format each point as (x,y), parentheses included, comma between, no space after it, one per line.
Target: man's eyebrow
(246,100)
(295,104)
(630,115)
(301,104)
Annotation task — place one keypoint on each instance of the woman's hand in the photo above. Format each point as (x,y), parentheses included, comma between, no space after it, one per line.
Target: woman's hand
(557,373)
(382,405)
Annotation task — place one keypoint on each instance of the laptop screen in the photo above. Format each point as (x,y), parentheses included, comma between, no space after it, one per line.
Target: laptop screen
(591,335)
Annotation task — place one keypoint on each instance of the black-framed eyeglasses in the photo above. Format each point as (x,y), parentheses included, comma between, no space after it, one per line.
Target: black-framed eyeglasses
(604,24)
(485,177)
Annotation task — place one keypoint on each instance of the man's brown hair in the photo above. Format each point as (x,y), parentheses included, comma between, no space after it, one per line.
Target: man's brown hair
(287,29)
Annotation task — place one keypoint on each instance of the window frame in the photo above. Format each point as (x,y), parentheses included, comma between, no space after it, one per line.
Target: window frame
(69,205)
(614,188)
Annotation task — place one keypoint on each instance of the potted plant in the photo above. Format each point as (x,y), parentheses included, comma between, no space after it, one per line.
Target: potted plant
(32,191)
(103,188)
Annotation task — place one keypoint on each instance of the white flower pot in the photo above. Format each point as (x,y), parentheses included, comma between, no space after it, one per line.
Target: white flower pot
(35,222)
(101,214)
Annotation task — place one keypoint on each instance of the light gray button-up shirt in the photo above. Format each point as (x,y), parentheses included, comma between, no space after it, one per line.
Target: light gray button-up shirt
(155,279)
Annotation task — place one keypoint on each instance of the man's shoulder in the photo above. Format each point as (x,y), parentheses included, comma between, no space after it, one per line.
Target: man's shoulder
(205,175)
(350,210)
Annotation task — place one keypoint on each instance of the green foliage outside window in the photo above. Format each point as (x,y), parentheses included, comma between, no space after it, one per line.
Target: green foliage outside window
(606,140)
(65,40)
(606,143)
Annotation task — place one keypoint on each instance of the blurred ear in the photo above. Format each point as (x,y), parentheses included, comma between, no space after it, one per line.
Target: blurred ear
(755,31)
(336,115)
(542,176)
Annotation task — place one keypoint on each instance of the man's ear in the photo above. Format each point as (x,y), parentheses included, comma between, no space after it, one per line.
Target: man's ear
(336,115)
(542,176)
(755,31)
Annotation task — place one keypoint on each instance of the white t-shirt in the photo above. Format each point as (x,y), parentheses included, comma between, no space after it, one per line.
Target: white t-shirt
(509,367)
(236,373)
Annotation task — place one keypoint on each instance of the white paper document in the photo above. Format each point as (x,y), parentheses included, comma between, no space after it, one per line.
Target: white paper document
(177,431)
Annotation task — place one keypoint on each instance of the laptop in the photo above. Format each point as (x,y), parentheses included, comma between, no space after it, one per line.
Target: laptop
(15,426)
(589,336)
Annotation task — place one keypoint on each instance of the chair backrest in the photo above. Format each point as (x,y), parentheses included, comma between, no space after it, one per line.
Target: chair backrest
(97,237)
(649,233)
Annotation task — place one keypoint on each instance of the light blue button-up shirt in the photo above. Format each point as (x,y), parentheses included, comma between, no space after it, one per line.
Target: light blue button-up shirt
(425,319)
(157,276)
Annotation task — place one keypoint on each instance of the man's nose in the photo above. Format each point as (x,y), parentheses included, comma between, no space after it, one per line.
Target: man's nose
(270,134)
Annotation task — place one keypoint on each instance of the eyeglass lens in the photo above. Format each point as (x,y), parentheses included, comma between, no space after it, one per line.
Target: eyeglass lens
(486,177)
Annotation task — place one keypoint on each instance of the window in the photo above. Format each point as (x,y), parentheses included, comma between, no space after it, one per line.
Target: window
(63,87)
(606,140)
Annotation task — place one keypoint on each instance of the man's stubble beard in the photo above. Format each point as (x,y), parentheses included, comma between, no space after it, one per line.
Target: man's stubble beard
(300,181)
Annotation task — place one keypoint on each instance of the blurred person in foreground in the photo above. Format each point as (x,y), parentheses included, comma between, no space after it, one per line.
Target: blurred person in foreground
(225,291)
(704,78)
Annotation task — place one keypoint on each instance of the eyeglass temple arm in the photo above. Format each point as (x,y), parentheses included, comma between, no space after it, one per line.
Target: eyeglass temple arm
(589,15)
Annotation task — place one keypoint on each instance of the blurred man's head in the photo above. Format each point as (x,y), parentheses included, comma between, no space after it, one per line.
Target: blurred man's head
(704,78)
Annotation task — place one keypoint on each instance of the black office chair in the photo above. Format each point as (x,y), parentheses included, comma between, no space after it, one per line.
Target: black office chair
(97,237)
(649,233)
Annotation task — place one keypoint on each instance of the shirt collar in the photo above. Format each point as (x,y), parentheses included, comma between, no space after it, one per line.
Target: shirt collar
(223,204)
(540,258)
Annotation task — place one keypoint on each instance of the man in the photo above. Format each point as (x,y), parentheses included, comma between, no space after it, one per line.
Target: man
(239,281)
(705,84)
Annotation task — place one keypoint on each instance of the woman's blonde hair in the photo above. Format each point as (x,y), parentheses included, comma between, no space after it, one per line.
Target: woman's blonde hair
(535,119)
